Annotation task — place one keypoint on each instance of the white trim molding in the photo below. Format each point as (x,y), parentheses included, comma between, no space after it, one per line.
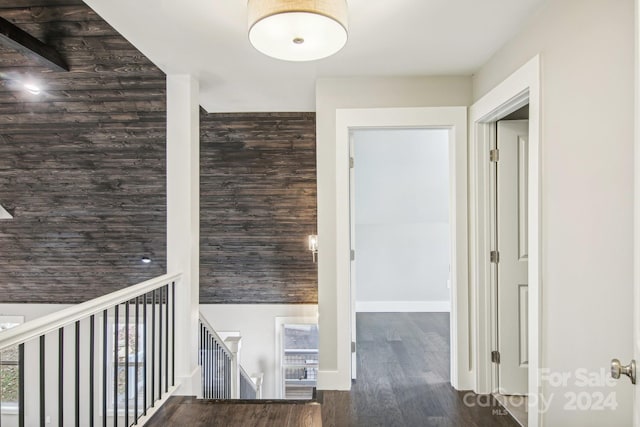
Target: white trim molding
(403,306)
(455,119)
(519,89)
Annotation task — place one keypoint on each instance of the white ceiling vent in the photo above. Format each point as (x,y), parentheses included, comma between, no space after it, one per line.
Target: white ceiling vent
(4,214)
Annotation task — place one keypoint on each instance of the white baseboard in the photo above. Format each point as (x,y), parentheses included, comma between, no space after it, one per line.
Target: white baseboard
(190,385)
(156,406)
(333,380)
(403,306)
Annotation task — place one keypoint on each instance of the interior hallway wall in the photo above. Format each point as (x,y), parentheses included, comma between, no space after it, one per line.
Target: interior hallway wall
(587,134)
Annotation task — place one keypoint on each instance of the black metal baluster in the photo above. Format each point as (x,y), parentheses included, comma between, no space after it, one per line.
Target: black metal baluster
(173,333)
(209,362)
(214,375)
(212,366)
(60,376)
(92,337)
(160,345)
(21,385)
(167,343)
(105,341)
(153,346)
(116,344)
(201,362)
(209,357)
(200,358)
(42,372)
(215,369)
(146,355)
(135,405)
(126,363)
(227,377)
(77,408)
(227,393)
(224,368)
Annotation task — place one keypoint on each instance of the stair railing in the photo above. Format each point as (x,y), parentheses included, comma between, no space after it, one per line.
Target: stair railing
(222,375)
(248,388)
(108,361)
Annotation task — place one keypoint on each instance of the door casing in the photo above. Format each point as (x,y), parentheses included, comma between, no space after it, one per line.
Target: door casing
(519,89)
(455,119)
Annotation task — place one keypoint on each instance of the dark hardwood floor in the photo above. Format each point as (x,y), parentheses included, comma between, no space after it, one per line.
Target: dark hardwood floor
(191,412)
(403,379)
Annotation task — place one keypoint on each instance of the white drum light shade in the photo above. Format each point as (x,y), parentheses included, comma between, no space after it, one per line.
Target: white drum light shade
(298,30)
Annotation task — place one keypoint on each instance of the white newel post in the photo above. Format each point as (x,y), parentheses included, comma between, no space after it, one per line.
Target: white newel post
(234,344)
(258,379)
(183,223)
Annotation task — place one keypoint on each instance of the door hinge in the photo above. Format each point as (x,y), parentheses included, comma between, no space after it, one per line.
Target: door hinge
(494,257)
(353,255)
(351,162)
(494,155)
(353,346)
(495,357)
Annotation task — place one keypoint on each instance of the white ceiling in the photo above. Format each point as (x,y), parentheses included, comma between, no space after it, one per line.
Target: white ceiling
(208,38)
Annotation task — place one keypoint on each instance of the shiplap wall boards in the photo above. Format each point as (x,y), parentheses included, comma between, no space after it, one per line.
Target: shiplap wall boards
(82,164)
(257,207)
(83,170)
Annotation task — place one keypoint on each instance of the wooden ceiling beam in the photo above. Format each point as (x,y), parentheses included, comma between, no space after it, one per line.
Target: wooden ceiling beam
(15,38)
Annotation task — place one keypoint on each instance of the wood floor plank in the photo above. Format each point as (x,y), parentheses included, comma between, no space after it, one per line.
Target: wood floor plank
(185,411)
(403,378)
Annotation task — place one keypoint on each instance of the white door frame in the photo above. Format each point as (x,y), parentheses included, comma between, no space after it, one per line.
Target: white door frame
(454,118)
(636,213)
(519,89)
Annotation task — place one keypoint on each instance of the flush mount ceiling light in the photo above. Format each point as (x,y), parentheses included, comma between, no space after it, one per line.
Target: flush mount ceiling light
(298,30)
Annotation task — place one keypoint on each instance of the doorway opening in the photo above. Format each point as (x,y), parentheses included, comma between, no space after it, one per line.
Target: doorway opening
(400,224)
(454,119)
(520,89)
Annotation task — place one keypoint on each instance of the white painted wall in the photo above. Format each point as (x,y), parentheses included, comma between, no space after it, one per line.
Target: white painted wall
(30,311)
(257,326)
(587,65)
(402,219)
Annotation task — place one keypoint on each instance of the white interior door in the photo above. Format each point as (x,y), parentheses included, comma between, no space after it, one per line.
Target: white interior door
(512,244)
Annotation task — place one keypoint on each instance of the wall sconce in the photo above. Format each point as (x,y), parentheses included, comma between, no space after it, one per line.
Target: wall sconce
(313,245)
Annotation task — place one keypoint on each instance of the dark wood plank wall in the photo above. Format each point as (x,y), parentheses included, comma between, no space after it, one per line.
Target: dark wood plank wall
(82,168)
(82,165)
(257,207)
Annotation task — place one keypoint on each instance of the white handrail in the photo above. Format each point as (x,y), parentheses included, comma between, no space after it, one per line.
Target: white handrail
(59,319)
(248,377)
